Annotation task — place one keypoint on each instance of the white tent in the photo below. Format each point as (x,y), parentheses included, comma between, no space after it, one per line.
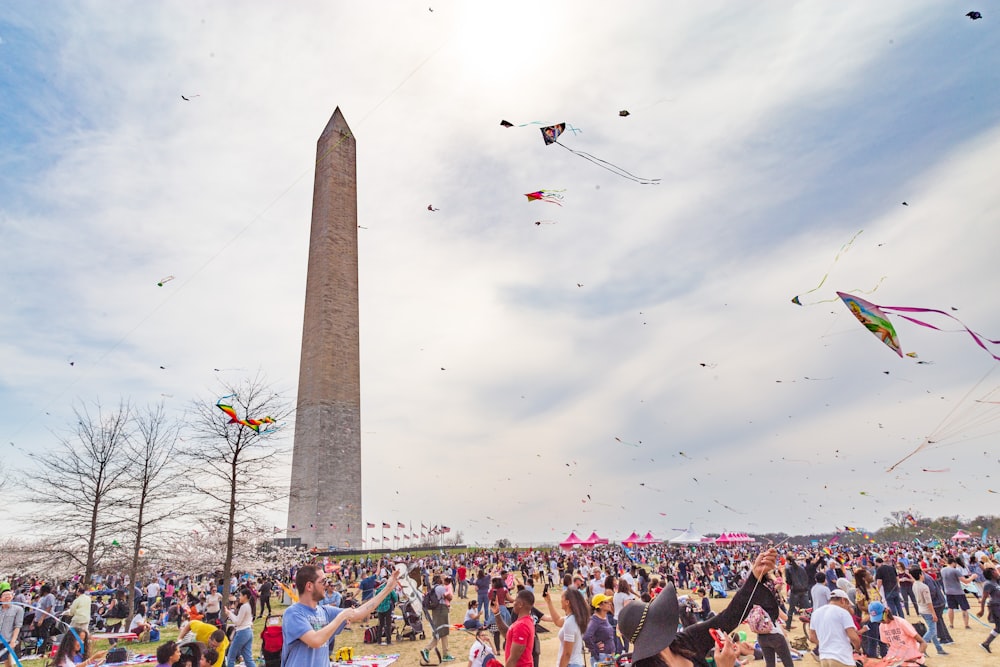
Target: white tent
(689,536)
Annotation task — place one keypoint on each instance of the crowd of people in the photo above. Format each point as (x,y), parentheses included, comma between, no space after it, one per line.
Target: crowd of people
(651,603)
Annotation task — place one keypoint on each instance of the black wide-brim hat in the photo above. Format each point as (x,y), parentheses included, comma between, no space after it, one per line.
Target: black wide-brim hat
(651,627)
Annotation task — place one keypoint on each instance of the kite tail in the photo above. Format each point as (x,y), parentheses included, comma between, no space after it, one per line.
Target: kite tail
(981,341)
(844,248)
(613,168)
(797,300)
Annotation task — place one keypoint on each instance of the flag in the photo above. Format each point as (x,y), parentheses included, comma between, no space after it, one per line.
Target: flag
(850,529)
(423,526)
(385,539)
(371,525)
(911,520)
(400,524)
(445,529)
(385,525)
(374,539)
(986,532)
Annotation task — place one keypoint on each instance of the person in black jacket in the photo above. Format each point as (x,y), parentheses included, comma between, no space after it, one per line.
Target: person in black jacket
(799,581)
(652,627)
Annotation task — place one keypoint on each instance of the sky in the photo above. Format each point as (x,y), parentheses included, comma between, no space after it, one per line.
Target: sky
(635,363)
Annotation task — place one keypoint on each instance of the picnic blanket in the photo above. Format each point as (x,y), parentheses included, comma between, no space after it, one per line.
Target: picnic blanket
(368,661)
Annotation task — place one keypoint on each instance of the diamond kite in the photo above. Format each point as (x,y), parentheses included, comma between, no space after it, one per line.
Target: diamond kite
(876,320)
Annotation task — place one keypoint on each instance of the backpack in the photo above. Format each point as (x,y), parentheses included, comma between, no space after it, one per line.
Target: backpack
(371,635)
(759,621)
(431,600)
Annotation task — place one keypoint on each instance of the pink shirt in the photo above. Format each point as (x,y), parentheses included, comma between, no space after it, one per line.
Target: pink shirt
(903,641)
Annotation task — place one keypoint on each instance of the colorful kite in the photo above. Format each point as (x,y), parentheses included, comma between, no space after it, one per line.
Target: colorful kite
(551,135)
(164,281)
(254,424)
(550,196)
(876,320)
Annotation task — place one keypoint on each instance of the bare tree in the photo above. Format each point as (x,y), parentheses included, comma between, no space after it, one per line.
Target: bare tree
(79,482)
(152,486)
(234,461)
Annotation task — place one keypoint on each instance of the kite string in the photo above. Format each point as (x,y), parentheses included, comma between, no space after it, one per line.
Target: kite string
(960,402)
(613,168)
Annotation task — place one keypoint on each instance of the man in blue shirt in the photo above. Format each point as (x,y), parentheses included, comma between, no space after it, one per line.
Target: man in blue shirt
(307,627)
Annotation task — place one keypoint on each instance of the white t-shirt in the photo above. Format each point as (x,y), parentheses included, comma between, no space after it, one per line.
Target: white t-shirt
(831,623)
(477,652)
(137,620)
(570,632)
(620,600)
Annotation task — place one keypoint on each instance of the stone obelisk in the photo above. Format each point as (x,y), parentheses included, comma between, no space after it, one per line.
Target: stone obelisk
(324,507)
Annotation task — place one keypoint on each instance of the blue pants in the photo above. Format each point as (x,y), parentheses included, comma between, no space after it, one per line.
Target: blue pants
(894,601)
(931,635)
(241,644)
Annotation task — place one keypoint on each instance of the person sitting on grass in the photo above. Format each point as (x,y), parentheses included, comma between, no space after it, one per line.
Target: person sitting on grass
(139,626)
(473,620)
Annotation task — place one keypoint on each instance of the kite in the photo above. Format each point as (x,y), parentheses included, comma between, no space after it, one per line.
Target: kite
(188,99)
(975,16)
(938,470)
(164,281)
(430,207)
(875,319)
(630,444)
(797,300)
(550,196)
(551,135)
(254,424)
(505,123)
(539,223)
(624,113)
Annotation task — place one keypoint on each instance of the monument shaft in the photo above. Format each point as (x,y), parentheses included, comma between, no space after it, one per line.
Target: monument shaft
(324,506)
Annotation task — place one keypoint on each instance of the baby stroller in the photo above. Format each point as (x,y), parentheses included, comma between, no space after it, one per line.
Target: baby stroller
(412,626)
(271,641)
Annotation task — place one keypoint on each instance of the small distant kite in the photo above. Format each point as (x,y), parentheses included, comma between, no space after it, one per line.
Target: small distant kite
(430,207)
(505,123)
(551,136)
(939,470)
(539,223)
(254,424)
(630,444)
(188,99)
(975,16)
(875,319)
(164,281)
(550,196)
(623,113)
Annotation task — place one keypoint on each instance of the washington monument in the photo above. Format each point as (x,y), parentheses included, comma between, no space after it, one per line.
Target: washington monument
(324,507)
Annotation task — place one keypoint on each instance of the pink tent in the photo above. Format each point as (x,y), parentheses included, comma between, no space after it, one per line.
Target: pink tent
(571,541)
(961,536)
(594,539)
(733,538)
(632,539)
(649,539)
